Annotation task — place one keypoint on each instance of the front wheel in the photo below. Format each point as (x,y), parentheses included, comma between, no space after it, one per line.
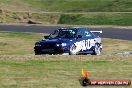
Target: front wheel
(73,50)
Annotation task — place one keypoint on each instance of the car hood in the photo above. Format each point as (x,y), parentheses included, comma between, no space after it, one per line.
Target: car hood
(57,40)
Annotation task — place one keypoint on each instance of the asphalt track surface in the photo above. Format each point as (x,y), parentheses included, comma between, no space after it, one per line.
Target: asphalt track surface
(113,33)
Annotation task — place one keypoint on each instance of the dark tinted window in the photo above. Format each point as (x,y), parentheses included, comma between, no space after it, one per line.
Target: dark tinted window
(81,32)
(63,33)
(84,33)
(87,33)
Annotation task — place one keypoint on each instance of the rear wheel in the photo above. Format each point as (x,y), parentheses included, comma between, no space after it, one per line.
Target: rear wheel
(97,50)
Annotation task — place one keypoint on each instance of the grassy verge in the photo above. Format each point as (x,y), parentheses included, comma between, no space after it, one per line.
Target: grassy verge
(17,43)
(19,67)
(58,74)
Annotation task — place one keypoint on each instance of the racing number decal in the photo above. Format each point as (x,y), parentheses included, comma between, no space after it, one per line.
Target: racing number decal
(84,44)
(87,44)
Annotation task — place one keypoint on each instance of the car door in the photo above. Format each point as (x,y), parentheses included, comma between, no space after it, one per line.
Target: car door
(89,38)
(86,41)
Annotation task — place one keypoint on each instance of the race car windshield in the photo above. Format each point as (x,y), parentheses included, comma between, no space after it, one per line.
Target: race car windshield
(63,34)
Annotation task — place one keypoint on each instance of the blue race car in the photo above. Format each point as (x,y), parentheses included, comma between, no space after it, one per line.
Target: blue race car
(71,41)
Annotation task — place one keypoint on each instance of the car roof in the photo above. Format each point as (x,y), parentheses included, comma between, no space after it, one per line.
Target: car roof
(74,28)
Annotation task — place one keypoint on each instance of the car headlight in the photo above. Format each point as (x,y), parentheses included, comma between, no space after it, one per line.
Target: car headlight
(37,45)
(63,44)
(57,44)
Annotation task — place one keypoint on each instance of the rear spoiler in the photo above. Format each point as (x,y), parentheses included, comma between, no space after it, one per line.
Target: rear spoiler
(97,31)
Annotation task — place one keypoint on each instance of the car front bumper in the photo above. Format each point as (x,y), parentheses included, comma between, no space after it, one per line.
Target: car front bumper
(57,50)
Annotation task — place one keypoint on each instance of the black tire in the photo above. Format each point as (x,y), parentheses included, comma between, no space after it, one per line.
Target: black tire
(73,50)
(97,50)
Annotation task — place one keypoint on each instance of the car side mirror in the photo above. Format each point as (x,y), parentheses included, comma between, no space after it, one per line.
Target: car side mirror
(79,36)
(46,37)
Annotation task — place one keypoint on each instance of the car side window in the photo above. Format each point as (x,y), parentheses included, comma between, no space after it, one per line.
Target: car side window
(54,34)
(80,32)
(84,33)
(87,34)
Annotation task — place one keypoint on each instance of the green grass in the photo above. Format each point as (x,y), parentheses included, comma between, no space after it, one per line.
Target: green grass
(17,43)
(124,19)
(81,5)
(15,5)
(20,68)
(50,73)
(69,5)
(25,17)
(22,11)
(120,19)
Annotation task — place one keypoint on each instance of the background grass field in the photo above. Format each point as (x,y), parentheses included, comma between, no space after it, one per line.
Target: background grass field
(79,12)
(91,18)
(68,5)
(62,72)
(20,68)
(123,19)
